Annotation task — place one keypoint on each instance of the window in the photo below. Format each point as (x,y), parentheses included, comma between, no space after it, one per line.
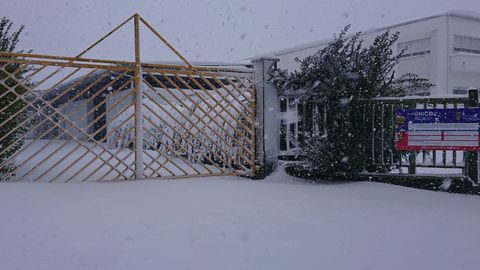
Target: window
(300,128)
(283,135)
(415,47)
(466,44)
(459,90)
(300,108)
(291,104)
(292,140)
(283,104)
(319,119)
(288,104)
(422,94)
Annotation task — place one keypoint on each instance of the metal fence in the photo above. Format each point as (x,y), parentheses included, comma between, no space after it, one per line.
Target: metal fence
(381,115)
(378,125)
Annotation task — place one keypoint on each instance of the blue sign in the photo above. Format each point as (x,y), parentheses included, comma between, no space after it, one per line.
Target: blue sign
(437,129)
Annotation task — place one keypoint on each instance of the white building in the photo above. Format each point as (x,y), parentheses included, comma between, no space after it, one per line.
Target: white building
(444,48)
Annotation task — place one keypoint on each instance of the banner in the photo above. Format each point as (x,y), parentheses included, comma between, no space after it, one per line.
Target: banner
(437,129)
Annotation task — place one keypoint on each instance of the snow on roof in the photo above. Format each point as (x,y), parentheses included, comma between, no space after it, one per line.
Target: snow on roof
(241,63)
(444,96)
(464,14)
(263,56)
(454,13)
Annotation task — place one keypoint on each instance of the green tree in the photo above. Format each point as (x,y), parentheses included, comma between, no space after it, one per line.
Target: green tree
(342,75)
(12,88)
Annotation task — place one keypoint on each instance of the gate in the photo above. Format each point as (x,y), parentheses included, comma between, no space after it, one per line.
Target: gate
(79,119)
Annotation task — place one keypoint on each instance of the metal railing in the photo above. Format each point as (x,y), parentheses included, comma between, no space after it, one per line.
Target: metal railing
(378,128)
(380,114)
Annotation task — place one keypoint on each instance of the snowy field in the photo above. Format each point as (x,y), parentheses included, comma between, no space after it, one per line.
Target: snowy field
(235,223)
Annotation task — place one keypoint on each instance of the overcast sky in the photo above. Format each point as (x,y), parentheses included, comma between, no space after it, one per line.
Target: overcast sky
(206,30)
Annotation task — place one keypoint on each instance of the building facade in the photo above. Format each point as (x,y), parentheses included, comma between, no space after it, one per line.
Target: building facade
(444,48)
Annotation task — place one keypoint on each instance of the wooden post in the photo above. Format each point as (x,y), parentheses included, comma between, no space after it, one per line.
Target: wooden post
(471,157)
(138,96)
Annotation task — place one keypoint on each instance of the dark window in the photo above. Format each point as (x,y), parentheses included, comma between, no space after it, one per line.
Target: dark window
(291,104)
(459,90)
(283,104)
(415,47)
(466,44)
(283,136)
(423,94)
(292,139)
(300,131)
(300,110)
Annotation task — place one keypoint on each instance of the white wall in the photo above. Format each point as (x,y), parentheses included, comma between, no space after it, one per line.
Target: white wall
(76,113)
(464,67)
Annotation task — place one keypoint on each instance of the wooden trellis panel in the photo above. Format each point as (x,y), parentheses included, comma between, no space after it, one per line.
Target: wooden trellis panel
(70,119)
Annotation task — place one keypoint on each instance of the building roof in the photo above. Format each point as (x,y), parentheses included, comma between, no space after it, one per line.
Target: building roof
(454,13)
(237,65)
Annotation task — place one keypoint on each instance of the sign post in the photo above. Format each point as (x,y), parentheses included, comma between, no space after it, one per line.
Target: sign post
(471,157)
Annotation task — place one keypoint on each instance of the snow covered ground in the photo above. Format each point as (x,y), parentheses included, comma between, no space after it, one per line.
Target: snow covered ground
(235,223)
(76,161)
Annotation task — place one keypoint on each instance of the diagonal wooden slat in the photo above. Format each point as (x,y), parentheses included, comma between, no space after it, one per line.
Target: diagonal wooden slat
(176,143)
(182,136)
(188,132)
(46,132)
(236,98)
(219,104)
(64,131)
(32,104)
(188,120)
(251,153)
(167,160)
(226,99)
(213,108)
(87,152)
(249,98)
(193,113)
